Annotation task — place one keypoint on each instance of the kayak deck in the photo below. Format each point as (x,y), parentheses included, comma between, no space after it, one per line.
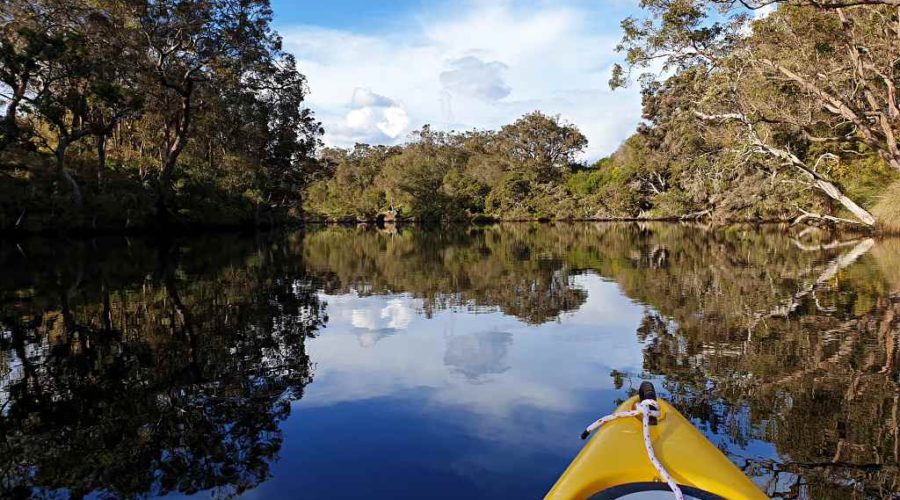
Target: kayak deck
(615,456)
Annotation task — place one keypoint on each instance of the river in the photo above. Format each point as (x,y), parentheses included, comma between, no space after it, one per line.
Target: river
(463,362)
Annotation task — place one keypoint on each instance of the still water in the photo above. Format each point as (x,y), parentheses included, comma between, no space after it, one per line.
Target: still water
(440,363)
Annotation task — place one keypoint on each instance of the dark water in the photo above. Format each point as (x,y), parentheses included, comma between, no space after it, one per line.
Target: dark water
(426,363)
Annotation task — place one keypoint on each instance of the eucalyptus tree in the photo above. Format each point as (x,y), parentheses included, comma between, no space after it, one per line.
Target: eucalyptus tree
(293,135)
(198,92)
(541,144)
(77,85)
(25,47)
(801,84)
(116,80)
(262,121)
(194,47)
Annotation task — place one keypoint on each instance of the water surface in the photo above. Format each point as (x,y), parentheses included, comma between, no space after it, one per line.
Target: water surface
(440,363)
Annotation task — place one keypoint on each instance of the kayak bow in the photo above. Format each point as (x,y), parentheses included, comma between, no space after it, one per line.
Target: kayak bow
(616,464)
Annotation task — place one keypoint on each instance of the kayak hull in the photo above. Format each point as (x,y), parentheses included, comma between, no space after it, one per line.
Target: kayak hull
(615,456)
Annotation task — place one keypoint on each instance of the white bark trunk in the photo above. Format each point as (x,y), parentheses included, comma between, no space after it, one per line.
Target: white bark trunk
(819,181)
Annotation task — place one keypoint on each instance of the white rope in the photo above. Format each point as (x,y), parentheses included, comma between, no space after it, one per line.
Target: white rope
(647,408)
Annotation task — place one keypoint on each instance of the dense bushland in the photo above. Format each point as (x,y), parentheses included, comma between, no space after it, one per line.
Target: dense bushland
(119,114)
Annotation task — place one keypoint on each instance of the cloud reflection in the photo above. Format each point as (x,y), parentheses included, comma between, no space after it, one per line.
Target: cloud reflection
(427,356)
(479,354)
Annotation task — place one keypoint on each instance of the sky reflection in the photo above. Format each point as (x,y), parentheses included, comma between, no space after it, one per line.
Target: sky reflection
(486,395)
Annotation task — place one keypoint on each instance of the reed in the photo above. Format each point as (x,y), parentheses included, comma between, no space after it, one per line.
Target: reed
(887,210)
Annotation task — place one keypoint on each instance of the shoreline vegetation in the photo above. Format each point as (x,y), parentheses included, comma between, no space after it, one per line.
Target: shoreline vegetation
(163,116)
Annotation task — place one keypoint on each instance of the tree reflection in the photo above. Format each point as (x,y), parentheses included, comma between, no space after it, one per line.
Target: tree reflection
(518,269)
(155,374)
(764,339)
(132,369)
(758,333)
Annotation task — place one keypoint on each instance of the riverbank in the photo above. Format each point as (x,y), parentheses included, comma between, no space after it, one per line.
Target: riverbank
(124,199)
(187,228)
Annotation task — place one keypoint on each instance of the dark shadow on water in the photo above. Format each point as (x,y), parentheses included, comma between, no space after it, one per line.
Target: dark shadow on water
(135,370)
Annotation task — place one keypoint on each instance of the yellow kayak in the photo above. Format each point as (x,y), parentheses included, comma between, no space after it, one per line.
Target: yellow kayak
(616,464)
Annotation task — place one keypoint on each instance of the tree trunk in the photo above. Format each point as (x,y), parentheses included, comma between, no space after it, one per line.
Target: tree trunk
(172,154)
(859,212)
(893,162)
(61,171)
(101,158)
(883,141)
(10,125)
(107,309)
(821,182)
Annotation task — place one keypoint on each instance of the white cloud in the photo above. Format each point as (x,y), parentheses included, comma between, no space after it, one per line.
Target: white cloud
(475,65)
(372,118)
(398,313)
(365,98)
(472,77)
(373,318)
(363,318)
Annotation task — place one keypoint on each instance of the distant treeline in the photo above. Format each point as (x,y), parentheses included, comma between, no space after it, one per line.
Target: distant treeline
(518,172)
(131,113)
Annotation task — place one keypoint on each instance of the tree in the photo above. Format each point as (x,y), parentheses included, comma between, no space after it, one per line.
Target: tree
(823,63)
(413,183)
(81,87)
(292,134)
(352,191)
(189,106)
(194,47)
(26,46)
(540,144)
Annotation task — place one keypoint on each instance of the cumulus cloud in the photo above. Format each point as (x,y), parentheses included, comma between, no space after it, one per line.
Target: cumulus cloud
(372,118)
(495,60)
(365,98)
(398,313)
(470,76)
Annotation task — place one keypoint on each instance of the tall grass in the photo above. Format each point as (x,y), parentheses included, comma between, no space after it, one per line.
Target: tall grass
(887,210)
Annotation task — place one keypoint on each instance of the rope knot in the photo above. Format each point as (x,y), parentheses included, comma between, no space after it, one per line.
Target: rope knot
(649,406)
(648,409)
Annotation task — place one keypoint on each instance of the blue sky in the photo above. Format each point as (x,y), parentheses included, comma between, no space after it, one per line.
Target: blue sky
(355,15)
(378,70)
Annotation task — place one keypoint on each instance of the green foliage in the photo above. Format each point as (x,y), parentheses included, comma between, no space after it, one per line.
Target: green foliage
(150,112)
(509,196)
(518,172)
(350,190)
(585,182)
(539,145)
(763,118)
(125,114)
